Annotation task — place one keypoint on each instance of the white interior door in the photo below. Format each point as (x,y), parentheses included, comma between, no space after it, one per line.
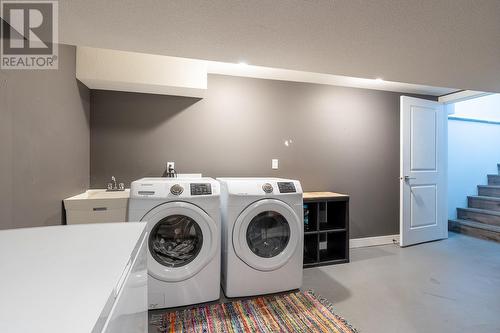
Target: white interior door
(423,179)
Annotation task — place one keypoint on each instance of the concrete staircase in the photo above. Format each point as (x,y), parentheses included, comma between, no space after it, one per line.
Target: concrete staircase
(482,217)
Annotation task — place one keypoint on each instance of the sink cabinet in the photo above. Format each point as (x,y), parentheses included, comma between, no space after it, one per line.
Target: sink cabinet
(97,206)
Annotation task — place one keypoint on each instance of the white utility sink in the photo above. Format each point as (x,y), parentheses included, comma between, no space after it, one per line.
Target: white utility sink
(103,194)
(98,205)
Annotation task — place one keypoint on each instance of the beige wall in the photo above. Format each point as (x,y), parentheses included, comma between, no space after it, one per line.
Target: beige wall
(344,139)
(44,142)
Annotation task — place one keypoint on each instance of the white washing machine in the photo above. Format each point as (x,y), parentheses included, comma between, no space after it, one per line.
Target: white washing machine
(183,216)
(262,235)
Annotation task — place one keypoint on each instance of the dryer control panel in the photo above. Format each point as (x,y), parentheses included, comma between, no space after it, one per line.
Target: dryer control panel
(286,187)
(201,188)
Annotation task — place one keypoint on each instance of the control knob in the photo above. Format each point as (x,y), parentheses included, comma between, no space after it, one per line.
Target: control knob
(268,188)
(176,189)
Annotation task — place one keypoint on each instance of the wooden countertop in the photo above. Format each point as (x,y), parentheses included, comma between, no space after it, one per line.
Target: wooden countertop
(323,195)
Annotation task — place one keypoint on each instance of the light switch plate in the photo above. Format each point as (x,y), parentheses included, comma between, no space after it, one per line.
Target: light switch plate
(274,163)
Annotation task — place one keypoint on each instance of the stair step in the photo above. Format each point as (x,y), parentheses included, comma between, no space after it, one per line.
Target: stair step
(479,215)
(484,202)
(475,229)
(493,179)
(488,190)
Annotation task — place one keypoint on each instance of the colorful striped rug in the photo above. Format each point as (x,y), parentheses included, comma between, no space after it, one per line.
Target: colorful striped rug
(294,312)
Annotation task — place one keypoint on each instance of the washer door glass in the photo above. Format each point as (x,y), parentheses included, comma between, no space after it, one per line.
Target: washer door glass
(268,234)
(175,240)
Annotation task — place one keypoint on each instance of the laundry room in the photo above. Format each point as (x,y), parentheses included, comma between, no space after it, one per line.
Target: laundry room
(181,189)
(320,135)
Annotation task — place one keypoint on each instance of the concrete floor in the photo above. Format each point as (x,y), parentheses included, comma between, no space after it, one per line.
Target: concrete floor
(451,285)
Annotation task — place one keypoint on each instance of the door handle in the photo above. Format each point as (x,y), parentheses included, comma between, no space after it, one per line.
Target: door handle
(407,178)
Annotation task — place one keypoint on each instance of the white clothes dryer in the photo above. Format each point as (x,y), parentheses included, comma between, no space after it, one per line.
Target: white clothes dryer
(262,235)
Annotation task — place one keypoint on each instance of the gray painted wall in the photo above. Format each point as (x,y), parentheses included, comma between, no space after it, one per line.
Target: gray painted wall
(44,142)
(344,139)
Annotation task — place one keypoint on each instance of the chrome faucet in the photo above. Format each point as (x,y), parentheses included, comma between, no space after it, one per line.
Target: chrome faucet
(113,185)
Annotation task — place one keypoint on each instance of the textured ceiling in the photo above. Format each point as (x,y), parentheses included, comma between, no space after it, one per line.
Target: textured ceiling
(446,43)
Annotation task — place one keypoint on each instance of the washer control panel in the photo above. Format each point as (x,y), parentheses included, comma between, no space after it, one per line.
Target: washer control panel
(286,187)
(154,188)
(201,188)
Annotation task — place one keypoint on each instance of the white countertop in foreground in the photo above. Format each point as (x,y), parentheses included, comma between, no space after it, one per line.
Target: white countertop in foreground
(58,279)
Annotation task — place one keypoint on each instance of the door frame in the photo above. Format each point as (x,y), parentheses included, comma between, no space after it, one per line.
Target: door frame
(460,96)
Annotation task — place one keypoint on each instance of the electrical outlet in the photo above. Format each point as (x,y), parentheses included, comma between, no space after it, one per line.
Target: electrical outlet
(274,163)
(170,165)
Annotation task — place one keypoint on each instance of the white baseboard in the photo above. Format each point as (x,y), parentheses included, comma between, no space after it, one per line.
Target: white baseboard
(373,241)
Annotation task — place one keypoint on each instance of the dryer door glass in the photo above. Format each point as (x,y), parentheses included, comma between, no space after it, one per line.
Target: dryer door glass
(268,234)
(175,240)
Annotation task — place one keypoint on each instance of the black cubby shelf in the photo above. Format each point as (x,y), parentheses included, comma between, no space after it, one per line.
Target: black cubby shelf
(326,228)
